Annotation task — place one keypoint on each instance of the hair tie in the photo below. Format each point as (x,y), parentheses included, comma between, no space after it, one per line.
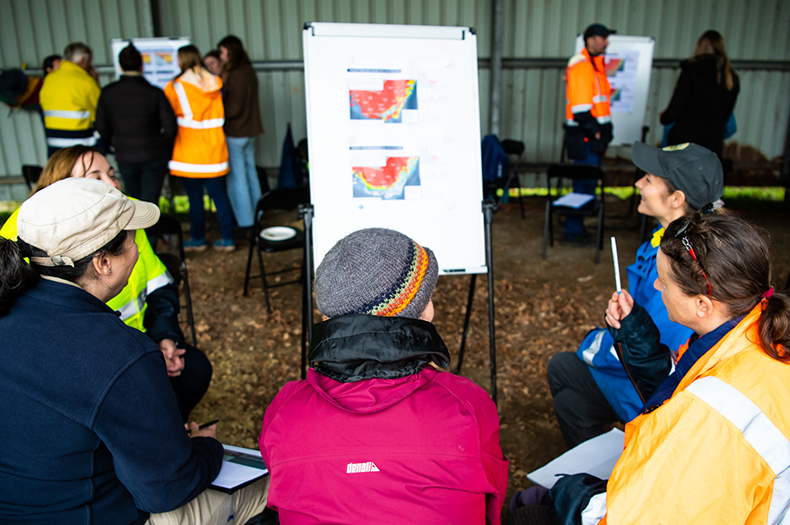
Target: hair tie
(768,293)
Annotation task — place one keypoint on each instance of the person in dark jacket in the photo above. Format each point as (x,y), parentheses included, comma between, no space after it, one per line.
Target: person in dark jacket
(242,124)
(136,119)
(91,430)
(149,302)
(704,96)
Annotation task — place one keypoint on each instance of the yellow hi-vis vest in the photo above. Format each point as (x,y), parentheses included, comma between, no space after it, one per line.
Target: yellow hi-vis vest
(147,275)
(68,98)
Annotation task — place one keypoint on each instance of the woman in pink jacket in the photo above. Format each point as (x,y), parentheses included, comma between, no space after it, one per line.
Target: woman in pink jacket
(378,433)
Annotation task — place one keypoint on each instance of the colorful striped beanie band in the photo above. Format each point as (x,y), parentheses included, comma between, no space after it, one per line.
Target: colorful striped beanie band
(376,271)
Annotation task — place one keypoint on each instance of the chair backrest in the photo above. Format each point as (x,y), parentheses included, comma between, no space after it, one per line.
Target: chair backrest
(513,147)
(558,172)
(31,174)
(285,199)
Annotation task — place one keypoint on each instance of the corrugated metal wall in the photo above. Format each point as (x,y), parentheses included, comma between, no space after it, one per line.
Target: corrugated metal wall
(532,99)
(32,29)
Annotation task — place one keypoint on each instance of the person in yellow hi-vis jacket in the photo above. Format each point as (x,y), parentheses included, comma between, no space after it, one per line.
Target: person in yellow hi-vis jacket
(69,98)
(712,444)
(150,301)
(200,152)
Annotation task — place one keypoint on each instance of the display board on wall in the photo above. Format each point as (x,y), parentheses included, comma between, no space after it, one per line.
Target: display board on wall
(160,57)
(628,62)
(393,130)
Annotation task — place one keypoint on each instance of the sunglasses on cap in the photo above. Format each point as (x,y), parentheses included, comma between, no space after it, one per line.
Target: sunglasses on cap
(682,234)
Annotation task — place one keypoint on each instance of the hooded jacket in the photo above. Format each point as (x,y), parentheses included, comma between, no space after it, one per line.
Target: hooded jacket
(377,435)
(200,150)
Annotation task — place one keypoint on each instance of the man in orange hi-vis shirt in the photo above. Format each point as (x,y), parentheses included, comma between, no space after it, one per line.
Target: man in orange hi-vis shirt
(588,121)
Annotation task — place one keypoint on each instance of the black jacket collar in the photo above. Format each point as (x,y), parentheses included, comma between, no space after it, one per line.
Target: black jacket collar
(356,347)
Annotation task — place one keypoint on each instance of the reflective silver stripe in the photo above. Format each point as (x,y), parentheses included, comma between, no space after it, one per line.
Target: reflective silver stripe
(759,431)
(595,347)
(183,100)
(158,282)
(201,124)
(603,120)
(599,98)
(778,511)
(59,142)
(75,115)
(133,307)
(595,510)
(571,122)
(581,108)
(197,168)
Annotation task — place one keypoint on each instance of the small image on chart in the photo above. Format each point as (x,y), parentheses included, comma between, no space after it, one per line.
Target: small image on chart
(385,105)
(395,180)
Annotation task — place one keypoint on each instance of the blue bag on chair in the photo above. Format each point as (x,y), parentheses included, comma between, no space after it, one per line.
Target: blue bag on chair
(731,128)
(495,163)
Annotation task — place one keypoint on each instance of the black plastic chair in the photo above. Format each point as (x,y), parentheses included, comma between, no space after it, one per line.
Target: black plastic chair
(286,199)
(31,174)
(176,263)
(514,148)
(595,208)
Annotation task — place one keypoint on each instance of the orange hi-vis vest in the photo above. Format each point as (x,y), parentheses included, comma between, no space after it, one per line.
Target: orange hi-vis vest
(587,88)
(200,150)
(718,451)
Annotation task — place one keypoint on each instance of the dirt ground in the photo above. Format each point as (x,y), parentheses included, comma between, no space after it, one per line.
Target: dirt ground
(542,308)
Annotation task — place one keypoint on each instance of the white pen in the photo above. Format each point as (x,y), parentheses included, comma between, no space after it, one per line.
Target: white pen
(616,261)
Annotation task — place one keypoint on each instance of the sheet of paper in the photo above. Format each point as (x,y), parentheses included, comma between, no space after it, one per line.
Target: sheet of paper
(239,466)
(596,456)
(573,200)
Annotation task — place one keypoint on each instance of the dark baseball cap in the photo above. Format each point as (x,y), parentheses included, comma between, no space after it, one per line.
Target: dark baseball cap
(694,170)
(598,30)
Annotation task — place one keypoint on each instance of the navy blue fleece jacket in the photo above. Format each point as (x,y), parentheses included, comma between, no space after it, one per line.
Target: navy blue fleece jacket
(91,432)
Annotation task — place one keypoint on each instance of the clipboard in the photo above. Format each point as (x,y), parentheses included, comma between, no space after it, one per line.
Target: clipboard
(240,467)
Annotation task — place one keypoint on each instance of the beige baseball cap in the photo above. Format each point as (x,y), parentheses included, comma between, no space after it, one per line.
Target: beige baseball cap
(74,217)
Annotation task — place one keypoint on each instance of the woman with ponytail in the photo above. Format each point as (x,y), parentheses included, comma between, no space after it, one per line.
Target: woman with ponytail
(712,444)
(704,96)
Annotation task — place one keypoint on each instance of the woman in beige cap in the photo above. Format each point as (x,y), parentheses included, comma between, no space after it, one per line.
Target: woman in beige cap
(91,428)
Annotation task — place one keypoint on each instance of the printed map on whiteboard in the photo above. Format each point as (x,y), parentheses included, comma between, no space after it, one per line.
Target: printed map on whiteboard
(385,104)
(621,68)
(392,181)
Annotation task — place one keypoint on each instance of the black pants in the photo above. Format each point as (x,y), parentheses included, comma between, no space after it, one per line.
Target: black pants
(143,180)
(193,382)
(582,410)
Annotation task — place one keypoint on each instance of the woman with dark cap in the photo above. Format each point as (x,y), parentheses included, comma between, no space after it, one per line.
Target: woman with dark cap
(386,436)
(712,444)
(592,389)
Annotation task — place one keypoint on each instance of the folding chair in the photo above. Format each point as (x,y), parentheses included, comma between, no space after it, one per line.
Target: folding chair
(286,199)
(31,174)
(176,263)
(560,173)
(516,149)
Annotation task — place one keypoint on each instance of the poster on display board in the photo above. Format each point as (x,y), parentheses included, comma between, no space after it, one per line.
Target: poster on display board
(160,57)
(394,137)
(628,63)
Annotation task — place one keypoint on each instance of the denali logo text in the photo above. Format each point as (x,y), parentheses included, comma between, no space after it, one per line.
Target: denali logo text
(356,468)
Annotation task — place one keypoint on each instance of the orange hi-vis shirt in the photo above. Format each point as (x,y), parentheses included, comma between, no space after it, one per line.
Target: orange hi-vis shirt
(587,88)
(718,451)
(200,150)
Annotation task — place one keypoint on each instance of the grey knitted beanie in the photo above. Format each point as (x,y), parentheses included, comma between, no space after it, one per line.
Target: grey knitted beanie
(376,271)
